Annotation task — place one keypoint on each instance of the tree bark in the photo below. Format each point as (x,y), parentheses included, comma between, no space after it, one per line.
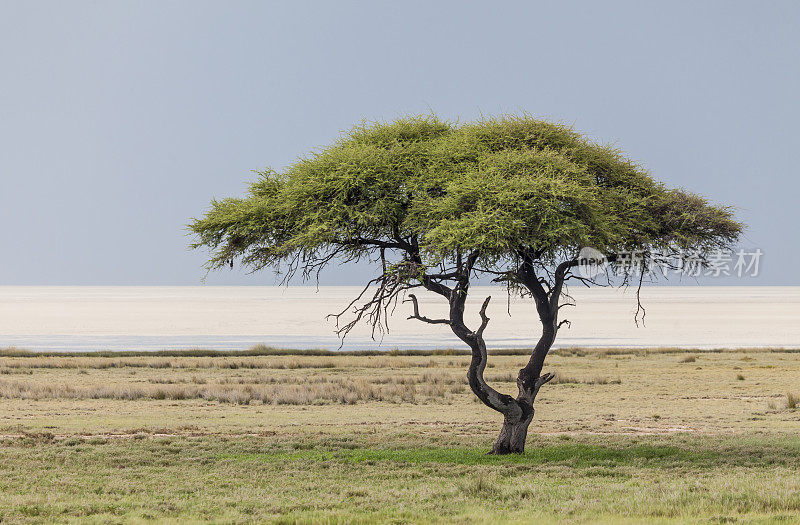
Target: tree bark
(514,432)
(513,435)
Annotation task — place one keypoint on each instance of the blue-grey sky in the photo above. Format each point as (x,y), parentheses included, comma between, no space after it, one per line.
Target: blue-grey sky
(121,120)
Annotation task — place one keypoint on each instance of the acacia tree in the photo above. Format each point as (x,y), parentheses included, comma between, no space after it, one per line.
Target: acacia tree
(437,205)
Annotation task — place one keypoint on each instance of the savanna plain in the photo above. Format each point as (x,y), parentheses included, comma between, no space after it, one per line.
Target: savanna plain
(620,436)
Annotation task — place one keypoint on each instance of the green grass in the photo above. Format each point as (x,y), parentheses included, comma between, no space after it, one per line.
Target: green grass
(355,479)
(673,441)
(573,455)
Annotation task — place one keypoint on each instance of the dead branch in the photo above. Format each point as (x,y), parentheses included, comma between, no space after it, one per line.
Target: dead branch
(484,317)
(413,299)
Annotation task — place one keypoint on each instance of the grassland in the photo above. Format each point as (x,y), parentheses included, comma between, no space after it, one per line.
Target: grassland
(621,436)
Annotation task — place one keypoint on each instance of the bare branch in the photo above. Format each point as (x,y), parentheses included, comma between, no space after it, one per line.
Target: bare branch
(639,305)
(484,317)
(542,379)
(413,299)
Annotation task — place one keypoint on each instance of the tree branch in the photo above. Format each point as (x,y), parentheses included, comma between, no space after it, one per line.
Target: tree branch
(544,378)
(541,381)
(413,299)
(484,317)
(639,305)
(358,241)
(526,274)
(558,281)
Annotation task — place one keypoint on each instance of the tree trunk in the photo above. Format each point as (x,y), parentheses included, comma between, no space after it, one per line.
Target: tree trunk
(512,436)
(515,425)
(517,413)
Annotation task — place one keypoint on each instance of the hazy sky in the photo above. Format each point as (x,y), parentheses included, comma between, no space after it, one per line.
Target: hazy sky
(119,121)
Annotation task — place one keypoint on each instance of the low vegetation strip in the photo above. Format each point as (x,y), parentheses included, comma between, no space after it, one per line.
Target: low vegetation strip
(323,390)
(263,350)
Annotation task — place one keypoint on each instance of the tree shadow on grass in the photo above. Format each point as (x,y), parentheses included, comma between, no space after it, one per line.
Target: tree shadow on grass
(704,452)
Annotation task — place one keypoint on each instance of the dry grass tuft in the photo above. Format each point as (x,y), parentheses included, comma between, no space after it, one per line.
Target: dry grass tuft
(508,377)
(479,486)
(597,380)
(792,400)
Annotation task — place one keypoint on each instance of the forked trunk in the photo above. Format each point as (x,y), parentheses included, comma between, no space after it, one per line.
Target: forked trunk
(515,424)
(517,413)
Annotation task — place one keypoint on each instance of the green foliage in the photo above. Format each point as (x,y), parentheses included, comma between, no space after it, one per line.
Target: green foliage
(494,187)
